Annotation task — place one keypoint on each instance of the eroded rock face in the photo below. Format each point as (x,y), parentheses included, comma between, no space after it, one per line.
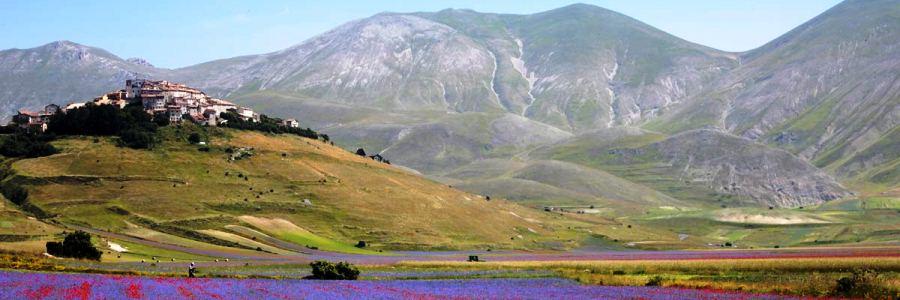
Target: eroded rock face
(736,166)
(593,68)
(577,68)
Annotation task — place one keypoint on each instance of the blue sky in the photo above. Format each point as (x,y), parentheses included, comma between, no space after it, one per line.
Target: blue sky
(181,33)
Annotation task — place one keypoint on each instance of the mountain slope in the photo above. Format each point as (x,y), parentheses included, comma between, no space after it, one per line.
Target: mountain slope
(450,141)
(388,61)
(577,68)
(825,91)
(704,166)
(592,67)
(60,72)
(557,183)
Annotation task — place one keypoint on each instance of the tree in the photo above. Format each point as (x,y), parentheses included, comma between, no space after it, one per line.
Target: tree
(76,245)
(325,137)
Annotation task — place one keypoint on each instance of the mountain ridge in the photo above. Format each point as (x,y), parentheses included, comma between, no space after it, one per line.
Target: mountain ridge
(394,83)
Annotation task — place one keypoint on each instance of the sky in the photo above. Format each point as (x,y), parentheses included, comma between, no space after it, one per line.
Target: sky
(174,34)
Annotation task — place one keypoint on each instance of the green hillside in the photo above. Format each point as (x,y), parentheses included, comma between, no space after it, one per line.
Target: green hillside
(199,198)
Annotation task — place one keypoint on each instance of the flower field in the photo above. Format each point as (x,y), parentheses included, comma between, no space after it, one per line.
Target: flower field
(30,285)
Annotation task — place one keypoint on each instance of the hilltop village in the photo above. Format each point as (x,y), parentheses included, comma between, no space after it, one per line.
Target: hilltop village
(161,99)
(164,103)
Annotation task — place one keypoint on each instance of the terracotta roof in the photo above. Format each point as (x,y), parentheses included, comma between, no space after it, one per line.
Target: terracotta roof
(28,113)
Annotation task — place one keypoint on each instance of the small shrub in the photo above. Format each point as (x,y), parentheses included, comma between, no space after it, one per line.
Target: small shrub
(618,272)
(330,271)
(194,138)
(655,281)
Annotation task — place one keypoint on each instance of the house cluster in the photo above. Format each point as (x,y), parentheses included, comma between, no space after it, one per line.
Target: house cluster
(35,121)
(174,101)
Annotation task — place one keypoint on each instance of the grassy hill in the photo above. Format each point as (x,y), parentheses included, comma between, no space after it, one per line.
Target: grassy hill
(177,197)
(297,190)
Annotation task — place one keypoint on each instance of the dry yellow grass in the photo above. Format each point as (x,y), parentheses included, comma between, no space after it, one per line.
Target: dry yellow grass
(353,198)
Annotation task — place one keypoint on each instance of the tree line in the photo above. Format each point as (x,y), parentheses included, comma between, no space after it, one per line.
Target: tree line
(266,124)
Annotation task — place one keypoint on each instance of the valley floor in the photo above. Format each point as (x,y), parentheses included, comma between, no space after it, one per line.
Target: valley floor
(719,274)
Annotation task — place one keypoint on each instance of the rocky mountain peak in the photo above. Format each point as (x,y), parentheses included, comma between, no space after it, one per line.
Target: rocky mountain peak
(390,26)
(63,45)
(140,61)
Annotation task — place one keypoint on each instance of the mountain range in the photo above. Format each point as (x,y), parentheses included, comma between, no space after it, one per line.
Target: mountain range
(577,105)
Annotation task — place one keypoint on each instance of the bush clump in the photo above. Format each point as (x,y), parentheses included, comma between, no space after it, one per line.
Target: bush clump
(861,283)
(15,193)
(265,124)
(137,139)
(330,271)
(655,281)
(134,127)
(75,245)
(194,138)
(27,145)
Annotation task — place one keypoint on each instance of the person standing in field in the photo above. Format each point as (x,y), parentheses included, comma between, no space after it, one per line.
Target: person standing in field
(191,270)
